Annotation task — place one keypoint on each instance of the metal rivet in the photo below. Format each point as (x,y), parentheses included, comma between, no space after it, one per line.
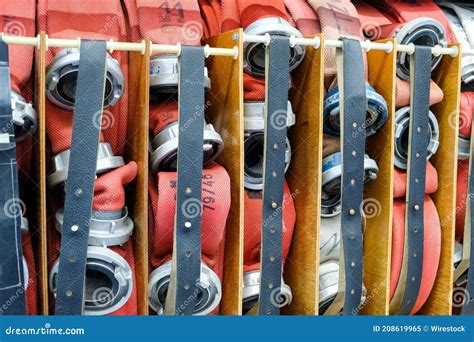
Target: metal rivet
(413,278)
(186,286)
(187,224)
(272,258)
(275,146)
(188,254)
(270,286)
(415,230)
(352,236)
(414,254)
(274,174)
(74,228)
(416,207)
(269,311)
(69,293)
(272,230)
(352,211)
(353,292)
(274,205)
(418,129)
(72,258)
(417,180)
(354,124)
(78,192)
(188,190)
(353,264)
(417,155)
(353,181)
(354,152)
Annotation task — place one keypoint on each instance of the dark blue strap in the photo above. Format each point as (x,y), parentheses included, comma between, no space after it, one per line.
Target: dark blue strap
(276,104)
(419,138)
(186,268)
(12,287)
(81,176)
(353,149)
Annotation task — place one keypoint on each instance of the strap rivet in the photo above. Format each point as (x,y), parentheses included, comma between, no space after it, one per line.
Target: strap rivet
(354,152)
(274,205)
(416,207)
(188,254)
(272,258)
(415,230)
(268,311)
(353,264)
(353,181)
(414,254)
(354,124)
(69,293)
(274,174)
(353,292)
(418,129)
(272,230)
(74,228)
(413,278)
(78,192)
(187,224)
(72,258)
(186,286)
(270,286)
(275,146)
(352,211)
(188,190)
(417,154)
(417,180)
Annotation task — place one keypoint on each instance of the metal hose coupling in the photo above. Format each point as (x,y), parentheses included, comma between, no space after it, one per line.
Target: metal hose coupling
(463,147)
(331,182)
(61,79)
(164,77)
(165,147)
(402,123)
(109,281)
(280,296)
(254,53)
(420,31)
(208,292)
(254,140)
(106,228)
(24,118)
(375,118)
(106,160)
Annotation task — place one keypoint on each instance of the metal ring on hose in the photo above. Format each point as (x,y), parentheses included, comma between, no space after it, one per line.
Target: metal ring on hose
(109,281)
(208,292)
(376,116)
(420,31)
(105,161)
(107,228)
(331,181)
(164,77)
(61,79)
(251,292)
(402,123)
(23,117)
(254,53)
(165,147)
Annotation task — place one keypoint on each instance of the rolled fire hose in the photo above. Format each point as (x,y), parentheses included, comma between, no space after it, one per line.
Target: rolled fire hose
(109,271)
(385,19)
(215,208)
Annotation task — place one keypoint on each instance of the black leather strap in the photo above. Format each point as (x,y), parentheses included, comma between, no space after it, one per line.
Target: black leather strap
(353,149)
(419,138)
(276,105)
(186,269)
(81,177)
(12,282)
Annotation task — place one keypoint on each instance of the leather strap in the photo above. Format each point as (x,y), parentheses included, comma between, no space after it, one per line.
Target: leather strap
(81,176)
(12,282)
(354,105)
(409,284)
(276,105)
(186,266)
